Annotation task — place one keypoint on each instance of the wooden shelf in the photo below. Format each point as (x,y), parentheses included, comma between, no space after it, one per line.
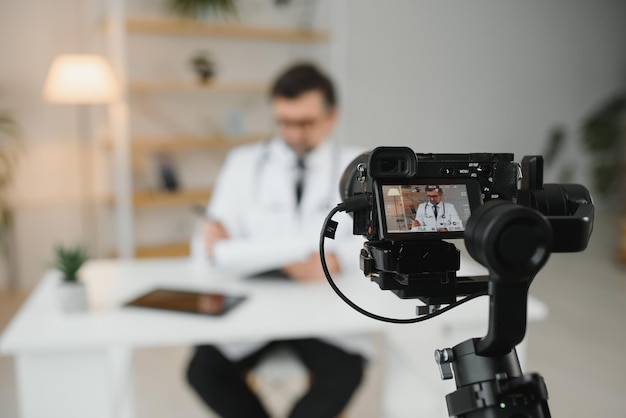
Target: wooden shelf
(166,250)
(187,143)
(188,27)
(182,86)
(169,199)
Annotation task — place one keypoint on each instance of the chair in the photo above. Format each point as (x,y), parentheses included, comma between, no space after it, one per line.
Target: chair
(279,380)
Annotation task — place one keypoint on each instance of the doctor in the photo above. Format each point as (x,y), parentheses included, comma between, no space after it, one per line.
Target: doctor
(436,215)
(266,212)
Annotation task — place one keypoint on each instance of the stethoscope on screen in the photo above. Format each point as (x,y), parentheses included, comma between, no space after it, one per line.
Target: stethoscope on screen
(432,210)
(263,159)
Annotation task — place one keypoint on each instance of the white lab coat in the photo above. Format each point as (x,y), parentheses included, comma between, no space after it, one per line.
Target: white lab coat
(447,217)
(254,198)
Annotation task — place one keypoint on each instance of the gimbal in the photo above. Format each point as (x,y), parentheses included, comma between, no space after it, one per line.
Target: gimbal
(512,238)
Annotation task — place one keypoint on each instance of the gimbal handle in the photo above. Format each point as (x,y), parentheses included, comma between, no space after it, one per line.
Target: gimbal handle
(513,242)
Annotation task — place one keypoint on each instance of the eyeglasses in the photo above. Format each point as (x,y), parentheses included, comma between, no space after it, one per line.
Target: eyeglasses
(303,124)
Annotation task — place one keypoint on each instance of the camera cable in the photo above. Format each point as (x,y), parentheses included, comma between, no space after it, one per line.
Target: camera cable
(328,230)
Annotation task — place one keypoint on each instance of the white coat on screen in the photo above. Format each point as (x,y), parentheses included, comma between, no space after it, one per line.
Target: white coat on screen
(447,217)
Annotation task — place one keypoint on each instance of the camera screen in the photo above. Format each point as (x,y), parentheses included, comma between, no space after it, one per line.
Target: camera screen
(425,208)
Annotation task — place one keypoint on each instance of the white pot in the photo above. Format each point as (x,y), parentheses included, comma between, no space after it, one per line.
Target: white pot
(72,296)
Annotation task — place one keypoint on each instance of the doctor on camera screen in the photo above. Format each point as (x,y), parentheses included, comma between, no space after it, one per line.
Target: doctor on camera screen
(436,215)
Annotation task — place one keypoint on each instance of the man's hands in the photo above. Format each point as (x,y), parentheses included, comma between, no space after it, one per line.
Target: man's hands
(311,269)
(212,232)
(308,270)
(416,223)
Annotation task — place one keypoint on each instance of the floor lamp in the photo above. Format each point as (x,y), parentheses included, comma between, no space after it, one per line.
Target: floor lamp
(82,80)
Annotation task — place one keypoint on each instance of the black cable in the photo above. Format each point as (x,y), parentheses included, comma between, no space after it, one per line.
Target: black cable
(362,311)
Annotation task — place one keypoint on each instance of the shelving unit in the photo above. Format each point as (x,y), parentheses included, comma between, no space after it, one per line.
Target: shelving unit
(189,143)
(142,200)
(152,199)
(181,86)
(129,147)
(167,250)
(223,30)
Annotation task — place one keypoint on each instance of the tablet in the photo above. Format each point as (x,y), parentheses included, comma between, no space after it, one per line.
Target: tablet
(204,303)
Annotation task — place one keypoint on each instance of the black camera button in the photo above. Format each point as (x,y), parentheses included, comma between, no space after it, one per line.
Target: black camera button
(484,170)
(446,171)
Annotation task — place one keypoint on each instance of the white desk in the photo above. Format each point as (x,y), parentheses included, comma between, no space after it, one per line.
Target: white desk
(78,365)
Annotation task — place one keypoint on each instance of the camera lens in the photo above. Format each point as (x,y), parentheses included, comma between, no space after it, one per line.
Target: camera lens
(508,239)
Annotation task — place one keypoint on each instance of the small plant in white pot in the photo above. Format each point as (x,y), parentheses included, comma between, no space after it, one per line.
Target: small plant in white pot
(72,292)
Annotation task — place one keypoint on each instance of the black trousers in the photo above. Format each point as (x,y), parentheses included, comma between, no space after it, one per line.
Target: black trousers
(335,375)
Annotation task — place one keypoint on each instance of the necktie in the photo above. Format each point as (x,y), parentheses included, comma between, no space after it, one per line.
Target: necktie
(435,211)
(299,179)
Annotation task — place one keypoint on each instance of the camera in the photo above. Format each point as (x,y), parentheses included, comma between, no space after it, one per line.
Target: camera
(409,205)
(416,201)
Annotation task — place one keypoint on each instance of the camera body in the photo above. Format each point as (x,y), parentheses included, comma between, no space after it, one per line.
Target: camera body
(417,201)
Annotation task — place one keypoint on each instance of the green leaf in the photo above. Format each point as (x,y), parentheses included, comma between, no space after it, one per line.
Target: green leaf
(195,9)
(603,136)
(69,260)
(606,176)
(602,130)
(567,174)
(554,146)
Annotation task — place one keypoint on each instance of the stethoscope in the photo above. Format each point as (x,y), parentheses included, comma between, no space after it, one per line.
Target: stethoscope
(432,210)
(262,160)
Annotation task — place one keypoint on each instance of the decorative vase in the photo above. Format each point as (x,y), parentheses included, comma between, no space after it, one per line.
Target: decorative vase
(204,68)
(72,296)
(168,177)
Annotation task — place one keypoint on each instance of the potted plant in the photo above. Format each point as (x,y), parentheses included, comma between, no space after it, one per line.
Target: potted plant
(72,292)
(10,147)
(198,9)
(603,134)
(603,137)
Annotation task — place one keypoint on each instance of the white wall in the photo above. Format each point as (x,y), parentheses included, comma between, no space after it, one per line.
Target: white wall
(481,75)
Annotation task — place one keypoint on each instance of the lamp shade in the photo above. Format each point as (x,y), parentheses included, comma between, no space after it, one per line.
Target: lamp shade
(80,79)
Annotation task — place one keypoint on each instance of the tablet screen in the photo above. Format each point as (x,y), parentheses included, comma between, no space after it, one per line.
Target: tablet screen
(208,303)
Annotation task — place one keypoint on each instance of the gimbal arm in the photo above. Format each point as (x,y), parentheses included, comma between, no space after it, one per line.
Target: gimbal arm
(513,242)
